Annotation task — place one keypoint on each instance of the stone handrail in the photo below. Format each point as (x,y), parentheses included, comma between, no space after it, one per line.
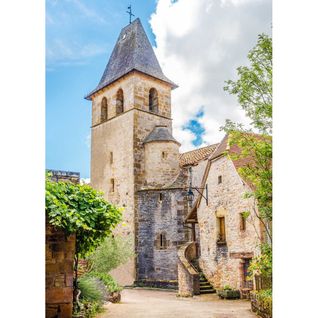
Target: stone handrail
(188,277)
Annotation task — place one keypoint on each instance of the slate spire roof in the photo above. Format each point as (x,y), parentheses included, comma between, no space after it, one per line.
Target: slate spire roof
(160,133)
(132,51)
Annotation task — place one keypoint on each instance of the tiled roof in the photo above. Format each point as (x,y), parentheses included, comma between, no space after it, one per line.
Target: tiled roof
(160,133)
(132,51)
(195,156)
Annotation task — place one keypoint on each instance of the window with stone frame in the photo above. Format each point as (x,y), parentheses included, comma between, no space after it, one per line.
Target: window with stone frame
(221,230)
(161,241)
(103,112)
(164,155)
(153,100)
(119,102)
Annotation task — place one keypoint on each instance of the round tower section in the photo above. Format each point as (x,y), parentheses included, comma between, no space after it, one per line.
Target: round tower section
(161,157)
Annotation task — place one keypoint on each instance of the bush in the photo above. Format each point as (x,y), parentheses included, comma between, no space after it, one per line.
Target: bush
(108,280)
(262,302)
(92,289)
(113,252)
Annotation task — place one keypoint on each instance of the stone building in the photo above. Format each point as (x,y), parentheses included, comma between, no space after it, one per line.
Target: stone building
(229,238)
(59,258)
(135,161)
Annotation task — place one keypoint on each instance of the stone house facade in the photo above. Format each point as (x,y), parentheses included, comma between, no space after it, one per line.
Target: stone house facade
(229,237)
(136,163)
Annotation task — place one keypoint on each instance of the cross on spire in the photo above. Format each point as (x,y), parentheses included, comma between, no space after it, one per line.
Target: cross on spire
(130,13)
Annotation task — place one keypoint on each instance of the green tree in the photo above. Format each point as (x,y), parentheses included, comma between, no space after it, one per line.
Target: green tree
(80,209)
(254,85)
(253,89)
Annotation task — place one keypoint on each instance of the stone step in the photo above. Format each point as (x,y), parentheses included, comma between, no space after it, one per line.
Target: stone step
(208,291)
(205,284)
(206,287)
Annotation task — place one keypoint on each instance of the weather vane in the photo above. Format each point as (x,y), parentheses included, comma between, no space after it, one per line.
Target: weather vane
(130,13)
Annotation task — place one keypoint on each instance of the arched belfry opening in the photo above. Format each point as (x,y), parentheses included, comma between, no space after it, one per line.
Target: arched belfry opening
(103,113)
(153,100)
(120,102)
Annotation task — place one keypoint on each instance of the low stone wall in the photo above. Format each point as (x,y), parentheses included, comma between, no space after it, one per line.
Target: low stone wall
(188,277)
(59,251)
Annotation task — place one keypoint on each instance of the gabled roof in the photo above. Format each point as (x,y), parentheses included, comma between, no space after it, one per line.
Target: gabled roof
(132,51)
(160,133)
(221,150)
(195,156)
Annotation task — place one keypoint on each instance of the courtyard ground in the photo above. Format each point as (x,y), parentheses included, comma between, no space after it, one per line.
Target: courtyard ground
(142,303)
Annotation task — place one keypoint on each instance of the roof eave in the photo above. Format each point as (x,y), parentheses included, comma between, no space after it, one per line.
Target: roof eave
(169,82)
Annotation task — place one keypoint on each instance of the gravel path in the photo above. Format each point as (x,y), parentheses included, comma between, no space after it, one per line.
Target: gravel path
(141,303)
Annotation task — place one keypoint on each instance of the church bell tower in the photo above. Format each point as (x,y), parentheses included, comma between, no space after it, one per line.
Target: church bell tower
(132,99)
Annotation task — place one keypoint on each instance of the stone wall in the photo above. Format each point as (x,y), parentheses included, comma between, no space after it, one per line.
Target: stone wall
(222,262)
(161,163)
(136,87)
(60,252)
(188,277)
(156,216)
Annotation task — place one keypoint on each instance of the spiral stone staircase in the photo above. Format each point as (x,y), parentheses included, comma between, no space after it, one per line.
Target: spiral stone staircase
(191,279)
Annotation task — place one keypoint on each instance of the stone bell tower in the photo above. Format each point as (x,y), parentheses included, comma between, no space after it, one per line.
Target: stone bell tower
(132,98)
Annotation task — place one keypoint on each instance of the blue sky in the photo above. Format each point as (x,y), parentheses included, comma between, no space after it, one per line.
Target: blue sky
(199,44)
(79,38)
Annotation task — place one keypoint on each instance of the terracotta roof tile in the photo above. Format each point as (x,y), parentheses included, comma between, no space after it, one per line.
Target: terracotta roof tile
(195,156)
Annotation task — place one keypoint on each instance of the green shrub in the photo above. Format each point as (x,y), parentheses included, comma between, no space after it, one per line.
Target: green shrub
(227,287)
(108,280)
(91,291)
(90,309)
(113,252)
(264,298)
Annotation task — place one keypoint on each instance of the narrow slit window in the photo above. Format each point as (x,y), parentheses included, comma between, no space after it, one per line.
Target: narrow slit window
(164,155)
(112,185)
(242,222)
(219,179)
(221,237)
(160,197)
(111,158)
(162,241)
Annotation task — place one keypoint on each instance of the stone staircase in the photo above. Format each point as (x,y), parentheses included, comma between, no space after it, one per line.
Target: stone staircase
(205,286)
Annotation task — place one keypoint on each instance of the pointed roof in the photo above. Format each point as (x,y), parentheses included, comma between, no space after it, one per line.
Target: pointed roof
(132,51)
(160,133)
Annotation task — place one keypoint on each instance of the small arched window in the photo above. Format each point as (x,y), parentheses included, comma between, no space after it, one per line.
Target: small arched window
(103,113)
(120,102)
(153,100)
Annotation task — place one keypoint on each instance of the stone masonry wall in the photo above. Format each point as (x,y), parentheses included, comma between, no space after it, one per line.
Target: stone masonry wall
(136,87)
(222,263)
(156,217)
(161,170)
(114,138)
(60,252)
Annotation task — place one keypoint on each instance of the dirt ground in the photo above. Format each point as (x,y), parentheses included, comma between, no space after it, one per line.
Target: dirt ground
(141,303)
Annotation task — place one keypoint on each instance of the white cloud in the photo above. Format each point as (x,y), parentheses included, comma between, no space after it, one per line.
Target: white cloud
(200,43)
